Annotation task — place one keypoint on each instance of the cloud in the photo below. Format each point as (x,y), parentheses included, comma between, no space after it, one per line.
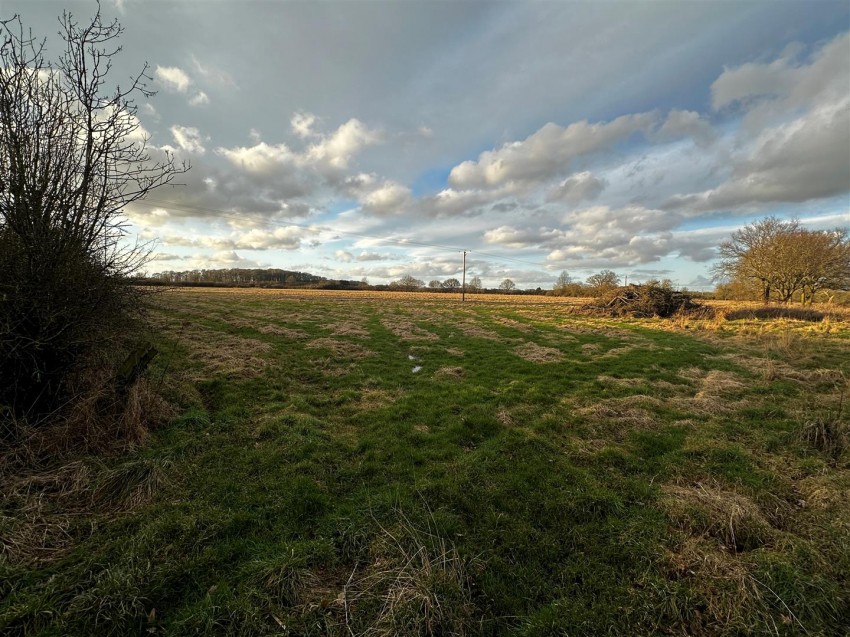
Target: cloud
(577,188)
(787,83)
(510,237)
(686,124)
(172,78)
(149,218)
(337,149)
(374,256)
(284,238)
(802,160)
(302,124)
(199,99)
(213,75)
(390,198)
(547,153)
(188,139)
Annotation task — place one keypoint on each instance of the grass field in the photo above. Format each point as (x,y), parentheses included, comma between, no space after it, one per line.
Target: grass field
(409,465)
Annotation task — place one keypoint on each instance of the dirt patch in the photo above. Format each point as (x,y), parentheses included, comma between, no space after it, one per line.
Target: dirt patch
(453,372)
(535,353)
(454,351)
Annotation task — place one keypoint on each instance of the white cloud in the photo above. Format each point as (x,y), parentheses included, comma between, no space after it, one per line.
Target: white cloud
(188,139)
(390,198)
(260,158)
(337,149)
(199,99)
(547,153)
(173,78)
(302,124)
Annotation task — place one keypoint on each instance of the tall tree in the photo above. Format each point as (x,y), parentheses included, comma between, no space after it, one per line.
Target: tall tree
(755,253)
(562,282)
(784,258)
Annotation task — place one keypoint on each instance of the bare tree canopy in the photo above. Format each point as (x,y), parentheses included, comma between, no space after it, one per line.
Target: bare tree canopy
(73,155)
(783,258)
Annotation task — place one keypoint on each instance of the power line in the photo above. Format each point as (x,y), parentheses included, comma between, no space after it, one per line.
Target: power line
(224,214)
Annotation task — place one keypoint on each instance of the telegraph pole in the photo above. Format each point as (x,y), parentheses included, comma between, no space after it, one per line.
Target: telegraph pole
(463,280)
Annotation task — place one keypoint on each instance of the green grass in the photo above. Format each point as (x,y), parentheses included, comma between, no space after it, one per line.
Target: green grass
(647,480)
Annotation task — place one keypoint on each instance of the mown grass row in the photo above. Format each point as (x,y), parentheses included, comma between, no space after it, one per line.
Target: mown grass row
(540,474)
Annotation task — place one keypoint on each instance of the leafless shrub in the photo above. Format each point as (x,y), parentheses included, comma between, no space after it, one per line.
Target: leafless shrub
(71,159)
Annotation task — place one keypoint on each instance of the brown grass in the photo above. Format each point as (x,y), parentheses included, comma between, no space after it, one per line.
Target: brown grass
(535,353)
(405,329)
(343,349)
(46,512)
(732,519)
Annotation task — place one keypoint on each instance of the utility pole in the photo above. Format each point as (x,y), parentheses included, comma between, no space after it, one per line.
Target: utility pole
(463,280)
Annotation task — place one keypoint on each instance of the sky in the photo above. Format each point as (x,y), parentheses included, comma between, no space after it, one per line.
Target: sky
(365,139)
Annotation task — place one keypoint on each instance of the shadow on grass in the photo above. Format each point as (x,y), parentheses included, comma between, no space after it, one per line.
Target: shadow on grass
(767,312)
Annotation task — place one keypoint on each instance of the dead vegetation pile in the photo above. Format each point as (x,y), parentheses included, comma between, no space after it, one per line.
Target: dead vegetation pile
(647,301)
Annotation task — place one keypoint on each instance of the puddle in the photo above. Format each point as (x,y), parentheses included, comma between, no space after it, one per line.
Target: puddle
(416,369)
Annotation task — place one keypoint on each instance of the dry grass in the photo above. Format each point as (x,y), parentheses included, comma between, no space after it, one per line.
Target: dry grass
(349,328)
(47,512)
(451,372)
(731,519)
(405,329)
(535,353)
(345,350)
(424,585)
(220,354)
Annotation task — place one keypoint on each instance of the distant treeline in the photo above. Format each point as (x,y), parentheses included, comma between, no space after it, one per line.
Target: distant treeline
(289,279)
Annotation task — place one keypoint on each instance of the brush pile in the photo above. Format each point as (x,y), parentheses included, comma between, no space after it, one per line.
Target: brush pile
(649,300)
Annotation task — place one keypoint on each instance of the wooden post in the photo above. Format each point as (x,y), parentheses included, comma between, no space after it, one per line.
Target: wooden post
(463,280)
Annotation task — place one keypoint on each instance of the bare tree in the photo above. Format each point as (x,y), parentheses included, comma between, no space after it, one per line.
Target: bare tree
(755,253)
(475,284)
(507,285)
(73,155)
(785,258)
(562,282)
(826,260)
(603,281)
